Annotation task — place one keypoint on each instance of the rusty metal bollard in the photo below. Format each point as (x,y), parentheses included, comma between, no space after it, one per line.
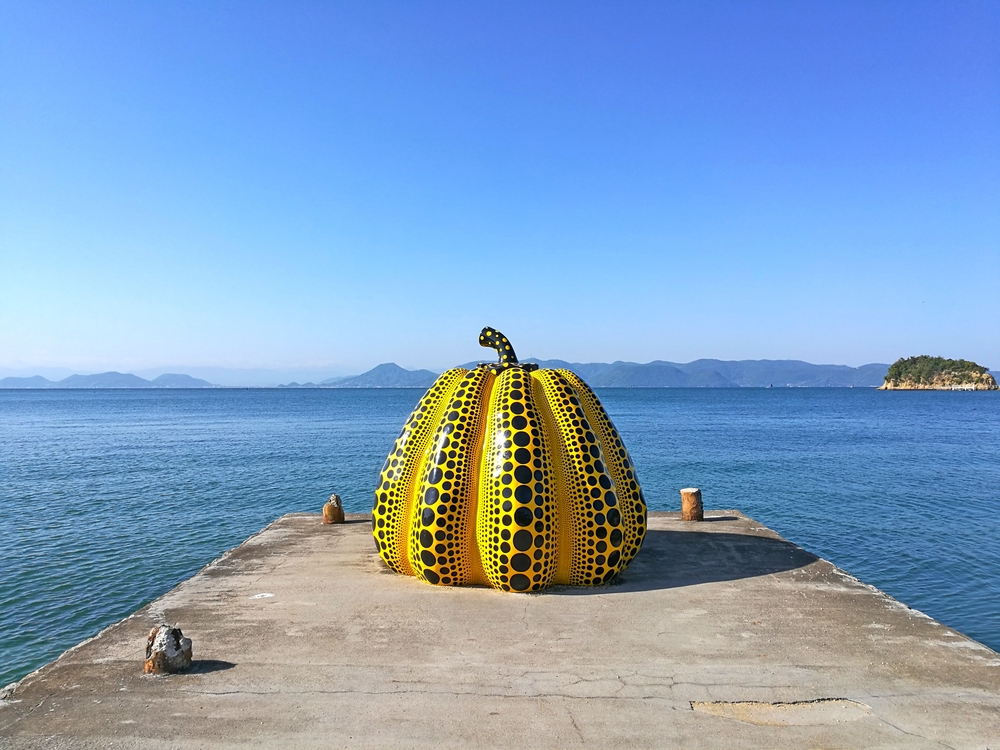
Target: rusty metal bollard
(167,650)
(333,511)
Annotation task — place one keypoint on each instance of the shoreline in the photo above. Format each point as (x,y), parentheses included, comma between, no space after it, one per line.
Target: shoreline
(917,387)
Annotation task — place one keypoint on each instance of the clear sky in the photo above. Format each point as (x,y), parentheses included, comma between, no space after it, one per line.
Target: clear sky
(325,186)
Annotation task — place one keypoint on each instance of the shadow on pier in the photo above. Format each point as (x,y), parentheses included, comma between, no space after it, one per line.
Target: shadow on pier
(670,559)
(205,666)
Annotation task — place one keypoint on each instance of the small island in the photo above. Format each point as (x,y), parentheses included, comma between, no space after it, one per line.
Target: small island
(937,374)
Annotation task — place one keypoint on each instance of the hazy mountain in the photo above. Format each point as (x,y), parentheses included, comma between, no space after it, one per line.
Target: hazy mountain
(717,373)
(103,380)
(789,372)
(236,377)
(389,375)
(107,380)
(175,380)
(657,375)
(702,373)
(35,381)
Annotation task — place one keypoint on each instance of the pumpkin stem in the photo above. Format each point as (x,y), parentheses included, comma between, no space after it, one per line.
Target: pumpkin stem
(493,339)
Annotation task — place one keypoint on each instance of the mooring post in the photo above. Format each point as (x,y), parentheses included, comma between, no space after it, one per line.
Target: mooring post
(167,651)
(333,511)
(691,508)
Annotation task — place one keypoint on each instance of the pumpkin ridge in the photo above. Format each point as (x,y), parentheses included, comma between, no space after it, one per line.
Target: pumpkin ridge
(591,488)
(392,510)
(517,539)
(484,506)
(478,573)
(422,454)
(568,522)
(445,497)
(631,503)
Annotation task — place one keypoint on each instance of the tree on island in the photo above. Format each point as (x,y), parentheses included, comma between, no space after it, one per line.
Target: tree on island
(925,372)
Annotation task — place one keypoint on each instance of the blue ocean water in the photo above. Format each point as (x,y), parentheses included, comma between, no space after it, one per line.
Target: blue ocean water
(110,498)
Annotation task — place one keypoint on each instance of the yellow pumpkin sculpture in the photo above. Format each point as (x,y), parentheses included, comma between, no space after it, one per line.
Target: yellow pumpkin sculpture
(509,476)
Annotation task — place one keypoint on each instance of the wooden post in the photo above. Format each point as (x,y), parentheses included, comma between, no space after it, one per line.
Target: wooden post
(691,509)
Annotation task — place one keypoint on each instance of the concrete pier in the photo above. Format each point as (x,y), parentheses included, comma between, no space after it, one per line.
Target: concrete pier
(720,634)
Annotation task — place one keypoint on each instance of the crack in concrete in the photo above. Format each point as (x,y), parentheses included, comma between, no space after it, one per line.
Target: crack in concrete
(575,725)
(912,734)
(456,693)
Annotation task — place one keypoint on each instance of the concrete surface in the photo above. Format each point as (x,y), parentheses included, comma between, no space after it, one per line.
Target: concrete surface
(720,635)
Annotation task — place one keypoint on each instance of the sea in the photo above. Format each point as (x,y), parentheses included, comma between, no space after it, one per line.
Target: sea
(109,498)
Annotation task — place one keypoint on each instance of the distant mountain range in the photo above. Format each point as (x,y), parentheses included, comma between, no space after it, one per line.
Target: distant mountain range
(107,380)
(388,375)
(717,373)
(702,373)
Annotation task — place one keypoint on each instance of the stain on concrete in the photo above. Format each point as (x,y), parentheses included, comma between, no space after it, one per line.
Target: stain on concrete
(792,714)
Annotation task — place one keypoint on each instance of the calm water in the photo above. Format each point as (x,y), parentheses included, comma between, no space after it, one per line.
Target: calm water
(110,498)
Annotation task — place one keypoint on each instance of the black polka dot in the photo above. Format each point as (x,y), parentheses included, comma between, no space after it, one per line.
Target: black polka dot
(520,582)
(522,540)
(523,517)
(520,562)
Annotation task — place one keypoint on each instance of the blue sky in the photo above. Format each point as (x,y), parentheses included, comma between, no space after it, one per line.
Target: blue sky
(319,187)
